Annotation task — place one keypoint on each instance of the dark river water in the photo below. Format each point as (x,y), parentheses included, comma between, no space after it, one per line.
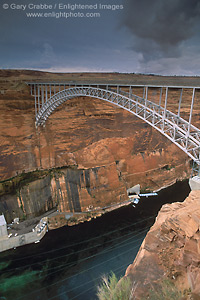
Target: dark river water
(69,262)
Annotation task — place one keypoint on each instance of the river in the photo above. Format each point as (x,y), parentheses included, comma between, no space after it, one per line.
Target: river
(69,262)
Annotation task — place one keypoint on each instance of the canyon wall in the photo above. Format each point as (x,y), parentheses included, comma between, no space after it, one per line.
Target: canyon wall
(170,250)
(96,150)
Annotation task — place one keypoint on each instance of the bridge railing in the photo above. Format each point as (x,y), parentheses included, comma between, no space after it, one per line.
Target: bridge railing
(169,115)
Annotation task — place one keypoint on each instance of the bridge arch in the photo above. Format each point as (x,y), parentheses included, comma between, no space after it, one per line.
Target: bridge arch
(172,126)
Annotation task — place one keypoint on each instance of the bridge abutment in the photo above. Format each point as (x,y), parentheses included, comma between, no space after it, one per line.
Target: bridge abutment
(194,183)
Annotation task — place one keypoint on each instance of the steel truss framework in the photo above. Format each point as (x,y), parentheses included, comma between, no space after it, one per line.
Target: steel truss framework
(181,132)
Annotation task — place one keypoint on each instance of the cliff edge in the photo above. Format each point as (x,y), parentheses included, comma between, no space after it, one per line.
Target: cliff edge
(170,250)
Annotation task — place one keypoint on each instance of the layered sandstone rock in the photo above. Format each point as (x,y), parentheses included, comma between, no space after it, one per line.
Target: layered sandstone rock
(171,249)
(85,134)
(67,190)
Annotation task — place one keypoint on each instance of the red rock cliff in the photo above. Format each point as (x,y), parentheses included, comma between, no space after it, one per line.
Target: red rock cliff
(171,249)
(86,134)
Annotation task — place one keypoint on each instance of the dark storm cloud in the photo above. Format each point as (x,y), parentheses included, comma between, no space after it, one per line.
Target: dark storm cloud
(46,43)
(162,37)
(159,28)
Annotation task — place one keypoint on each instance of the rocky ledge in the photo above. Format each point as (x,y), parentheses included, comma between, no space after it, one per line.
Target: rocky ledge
(171,250)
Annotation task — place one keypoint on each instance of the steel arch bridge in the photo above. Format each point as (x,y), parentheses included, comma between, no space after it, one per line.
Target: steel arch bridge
(179,131)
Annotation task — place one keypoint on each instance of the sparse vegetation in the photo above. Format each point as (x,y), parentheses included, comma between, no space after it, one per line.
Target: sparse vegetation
(112,289)
(145,189)
(14,184)
(88,215)
(165,291)
(73,220)
(167,167)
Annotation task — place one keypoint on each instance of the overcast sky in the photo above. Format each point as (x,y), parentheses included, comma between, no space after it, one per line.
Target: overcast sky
(139,36)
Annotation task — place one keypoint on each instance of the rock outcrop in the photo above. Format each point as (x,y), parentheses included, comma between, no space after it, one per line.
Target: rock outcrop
(171,249)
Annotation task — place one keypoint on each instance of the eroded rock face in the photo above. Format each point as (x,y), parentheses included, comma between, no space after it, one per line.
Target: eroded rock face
(68,190)
(86,134)
(171,249)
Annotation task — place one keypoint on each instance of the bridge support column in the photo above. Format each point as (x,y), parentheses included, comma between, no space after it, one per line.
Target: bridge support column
(143,92)
(160,99)
(50,90)
(190,118)
(146,96)
(118,91)
(130,92)
(38,97)
(42,91)
(35,100)
(165,108)
(179,105)
(46,93)
(160,96)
